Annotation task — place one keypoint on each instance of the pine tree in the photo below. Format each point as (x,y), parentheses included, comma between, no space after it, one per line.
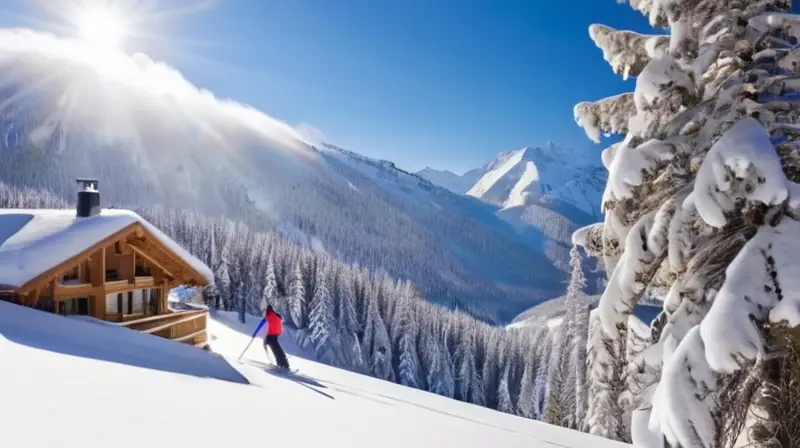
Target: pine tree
(490,371)
(467,374)
(526,401)
(376,343)
(555,407)
(254,289)
(697,200)
(222,277)
(504,402)
(408,372)
(574,361)
(580,362)
(270,290)
(348,322)
(241,301)
(540,385)
(324,334)
(440,377)
(297,298)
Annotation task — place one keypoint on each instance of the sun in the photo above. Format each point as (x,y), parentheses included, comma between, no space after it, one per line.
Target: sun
(101,29)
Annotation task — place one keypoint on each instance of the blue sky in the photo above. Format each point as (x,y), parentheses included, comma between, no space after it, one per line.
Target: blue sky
(445,83)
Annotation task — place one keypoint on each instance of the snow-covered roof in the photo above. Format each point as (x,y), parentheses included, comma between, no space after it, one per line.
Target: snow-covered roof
(35,241)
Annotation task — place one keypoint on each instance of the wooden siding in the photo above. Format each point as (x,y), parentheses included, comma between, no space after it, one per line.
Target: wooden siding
(182,326)
(83,276)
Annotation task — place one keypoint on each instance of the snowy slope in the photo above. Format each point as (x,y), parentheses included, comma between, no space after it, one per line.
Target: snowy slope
(68,373)
(552,312)
(456,183)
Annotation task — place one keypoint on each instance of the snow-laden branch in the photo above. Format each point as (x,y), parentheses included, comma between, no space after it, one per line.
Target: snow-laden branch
(645,246)
(606,116)
(665,83)
(742,164)
(590,238)
(627,52)
(608,154)
(682,404)
(763,280)
(652,9)
(630,165)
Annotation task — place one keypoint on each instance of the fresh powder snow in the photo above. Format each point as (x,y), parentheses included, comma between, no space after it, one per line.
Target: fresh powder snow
(36,240)
(138,390)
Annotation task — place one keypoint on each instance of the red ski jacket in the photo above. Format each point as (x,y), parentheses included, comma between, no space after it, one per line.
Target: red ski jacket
(274,323)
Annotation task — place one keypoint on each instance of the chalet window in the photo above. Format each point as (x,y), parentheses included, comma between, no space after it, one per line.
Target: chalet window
(152,302)
(71,275)
(77,306)
(119,303)
(130,302)
(112,275)
(112,306)
(143,271)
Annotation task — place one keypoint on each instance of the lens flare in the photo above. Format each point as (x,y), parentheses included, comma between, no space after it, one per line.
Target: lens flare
(101,29)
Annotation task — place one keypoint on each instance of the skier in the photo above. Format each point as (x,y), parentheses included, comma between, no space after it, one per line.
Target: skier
(274,329)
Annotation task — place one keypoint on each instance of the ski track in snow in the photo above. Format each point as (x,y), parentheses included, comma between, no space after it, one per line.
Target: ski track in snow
(68,374)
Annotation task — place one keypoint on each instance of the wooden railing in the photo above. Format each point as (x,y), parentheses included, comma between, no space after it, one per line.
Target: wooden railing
(182,326)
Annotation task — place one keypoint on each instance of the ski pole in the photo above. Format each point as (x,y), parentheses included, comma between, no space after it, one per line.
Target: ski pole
(252,338)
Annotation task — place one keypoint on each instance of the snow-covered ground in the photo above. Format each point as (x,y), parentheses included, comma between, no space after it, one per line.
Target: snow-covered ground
(73,382)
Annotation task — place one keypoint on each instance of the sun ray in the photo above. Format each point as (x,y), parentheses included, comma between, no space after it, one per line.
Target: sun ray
(101,28)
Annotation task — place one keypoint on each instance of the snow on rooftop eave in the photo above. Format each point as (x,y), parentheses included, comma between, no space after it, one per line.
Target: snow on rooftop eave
(198,270)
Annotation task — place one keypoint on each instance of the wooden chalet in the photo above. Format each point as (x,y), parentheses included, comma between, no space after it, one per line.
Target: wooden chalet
(107,264)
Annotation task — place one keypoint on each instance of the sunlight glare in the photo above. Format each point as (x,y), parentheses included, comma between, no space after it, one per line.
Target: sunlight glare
(101,29)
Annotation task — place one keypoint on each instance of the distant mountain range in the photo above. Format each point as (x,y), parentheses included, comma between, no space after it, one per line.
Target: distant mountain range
(458,184)
(545,190)
(530,175)
(493,253)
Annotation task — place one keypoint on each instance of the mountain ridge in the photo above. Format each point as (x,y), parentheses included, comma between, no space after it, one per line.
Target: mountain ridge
(514,178)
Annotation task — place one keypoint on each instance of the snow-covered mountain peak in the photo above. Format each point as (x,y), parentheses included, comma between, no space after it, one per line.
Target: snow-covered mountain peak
(514,178)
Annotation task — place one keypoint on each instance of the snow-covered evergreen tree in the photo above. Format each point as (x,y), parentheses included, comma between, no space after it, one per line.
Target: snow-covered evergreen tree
(526,401)
(222,277)
(376,343)
(574,361)
(555,408)
(440,376)
(467,378)
(348,322)
(270,291)
(578,354)
(322,322)
(297,297)
(701,198)
(241,301)
(408,371)
(504,401)
(540,386)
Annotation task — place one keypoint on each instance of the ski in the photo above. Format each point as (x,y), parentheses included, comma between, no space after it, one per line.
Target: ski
(275,368)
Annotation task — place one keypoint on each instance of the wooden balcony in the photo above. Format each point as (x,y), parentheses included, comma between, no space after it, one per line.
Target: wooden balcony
(188,327)
(144,282)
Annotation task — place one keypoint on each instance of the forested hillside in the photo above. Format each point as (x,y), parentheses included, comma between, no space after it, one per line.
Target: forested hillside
(368,322)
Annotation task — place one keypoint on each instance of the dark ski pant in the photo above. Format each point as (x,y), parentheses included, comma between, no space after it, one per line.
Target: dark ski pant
(277,350)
